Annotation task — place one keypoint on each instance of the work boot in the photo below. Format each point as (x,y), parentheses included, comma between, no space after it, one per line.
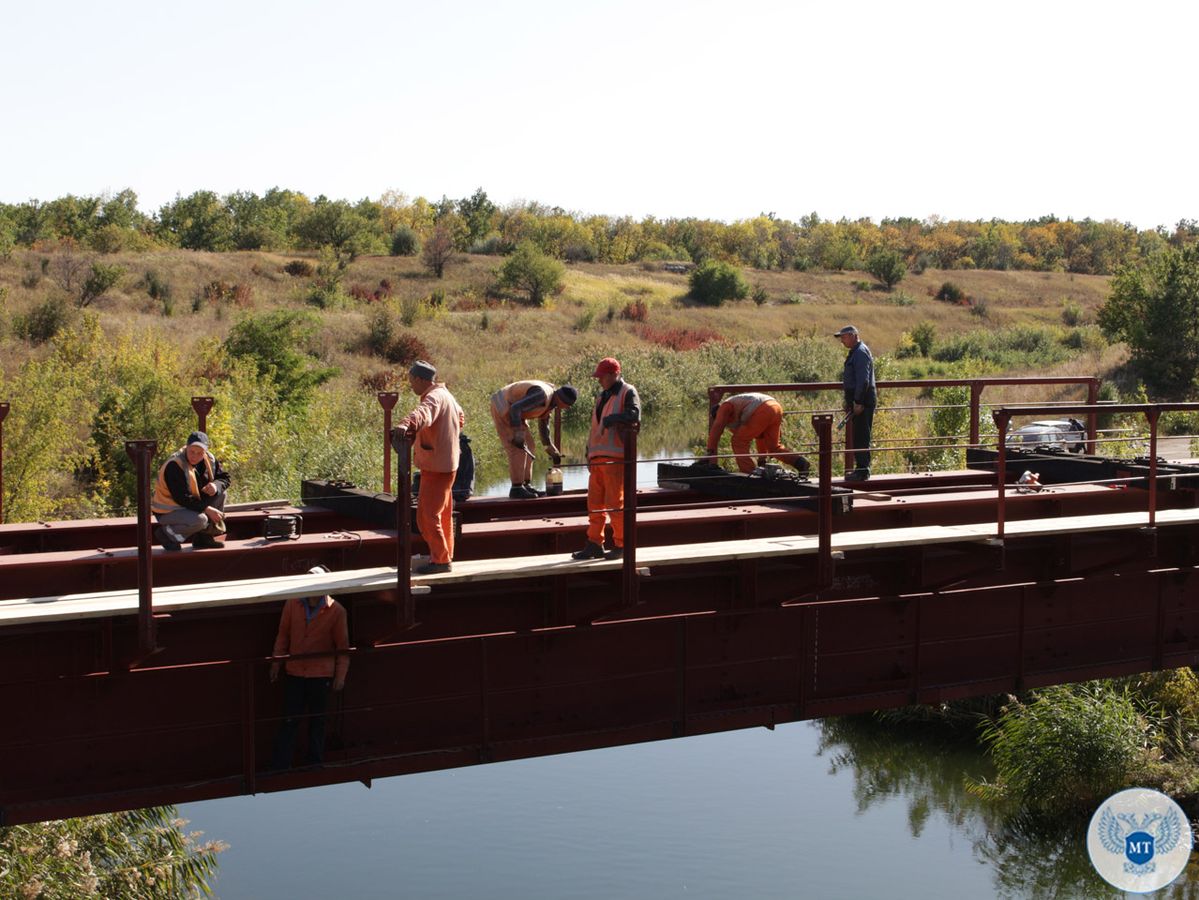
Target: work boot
(432,568)
(528,486)
(591,550)
(205,541)
(858,475)
(802,466)
(615,553)
(520,492)
(168,538)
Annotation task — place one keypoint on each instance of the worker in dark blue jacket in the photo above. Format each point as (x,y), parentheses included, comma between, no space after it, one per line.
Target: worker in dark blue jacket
(857,379)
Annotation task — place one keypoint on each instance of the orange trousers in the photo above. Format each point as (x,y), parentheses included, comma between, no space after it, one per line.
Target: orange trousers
(762,427)
(605,491)
(434,514)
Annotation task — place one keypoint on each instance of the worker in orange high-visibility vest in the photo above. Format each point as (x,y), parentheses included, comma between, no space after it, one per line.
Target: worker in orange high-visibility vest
(511,408)
(618,404)
(752,417)
(436,424)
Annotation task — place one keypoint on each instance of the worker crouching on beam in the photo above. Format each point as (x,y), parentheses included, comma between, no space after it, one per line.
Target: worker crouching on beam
(618,404)
(511,407)
(434,426)
(189,497)
(752,417)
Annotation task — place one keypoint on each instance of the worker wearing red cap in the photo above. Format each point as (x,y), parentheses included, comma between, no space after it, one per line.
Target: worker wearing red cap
(514,404)
(752,417)
(617,405)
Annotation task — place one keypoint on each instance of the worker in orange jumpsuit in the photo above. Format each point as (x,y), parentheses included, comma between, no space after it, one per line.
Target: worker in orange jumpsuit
(752,417)
(618,404)
(435,425)
(309,625)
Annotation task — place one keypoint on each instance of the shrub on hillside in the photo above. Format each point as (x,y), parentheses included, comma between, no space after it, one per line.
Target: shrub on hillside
(887,266)
(43,321)
(531,271)
(100,279)
(950,293)
(715,282)
(636,311)
(405,242)
(679,338)
(491,245)
(299,268)
(1072,313)
(275,343)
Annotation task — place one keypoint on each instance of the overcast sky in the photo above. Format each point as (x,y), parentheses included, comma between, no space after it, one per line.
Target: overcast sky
(712,109)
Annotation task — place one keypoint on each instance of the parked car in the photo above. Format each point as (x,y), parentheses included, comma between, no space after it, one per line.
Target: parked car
(1064,434)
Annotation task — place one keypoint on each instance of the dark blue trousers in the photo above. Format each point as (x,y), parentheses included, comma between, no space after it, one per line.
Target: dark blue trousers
(302,696)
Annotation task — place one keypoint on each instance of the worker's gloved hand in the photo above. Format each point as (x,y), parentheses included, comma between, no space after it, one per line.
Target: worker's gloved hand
(556,456)
(518,443)
(610,421)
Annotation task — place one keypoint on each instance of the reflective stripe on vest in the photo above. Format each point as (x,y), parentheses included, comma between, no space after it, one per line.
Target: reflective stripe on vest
(162,501)
(744,406)
(604,442)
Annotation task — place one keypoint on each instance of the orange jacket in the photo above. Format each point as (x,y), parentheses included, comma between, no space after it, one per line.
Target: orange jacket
(734,412)
(327,631)
(437,421)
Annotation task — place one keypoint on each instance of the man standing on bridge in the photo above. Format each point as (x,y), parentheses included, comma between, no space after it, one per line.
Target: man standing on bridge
(435,424)
(752,417)
(189,498)
(857,380)
(617,405)
(309,625)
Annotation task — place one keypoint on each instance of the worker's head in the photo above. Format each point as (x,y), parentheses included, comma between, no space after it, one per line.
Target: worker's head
(318,599)
(565,396)
(420,376)
(607,370)
(197,447)
(848,335)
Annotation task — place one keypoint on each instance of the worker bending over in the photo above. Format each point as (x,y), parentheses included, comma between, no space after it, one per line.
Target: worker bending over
(617,405)
(511,407)
(752,417)
(434,426)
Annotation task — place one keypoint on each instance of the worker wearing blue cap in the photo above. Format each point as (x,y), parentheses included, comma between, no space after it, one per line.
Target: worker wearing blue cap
(861,396)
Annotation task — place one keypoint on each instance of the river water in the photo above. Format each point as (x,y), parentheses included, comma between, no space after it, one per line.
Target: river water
(827,809)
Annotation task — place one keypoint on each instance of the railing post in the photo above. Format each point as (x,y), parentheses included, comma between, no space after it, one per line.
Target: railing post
(823,426)
(405,606)
(1152,415)
(1002,418)
(629,513)
(976,395)
(142,452)
(387,399)
(202,406)
(1093,417)
(3,416)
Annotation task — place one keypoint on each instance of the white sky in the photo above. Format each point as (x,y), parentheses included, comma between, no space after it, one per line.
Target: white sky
(713,109)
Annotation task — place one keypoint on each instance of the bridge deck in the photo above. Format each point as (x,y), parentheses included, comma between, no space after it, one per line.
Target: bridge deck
(268,590)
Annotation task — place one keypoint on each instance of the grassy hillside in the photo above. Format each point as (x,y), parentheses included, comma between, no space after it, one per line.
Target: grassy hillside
(129,360)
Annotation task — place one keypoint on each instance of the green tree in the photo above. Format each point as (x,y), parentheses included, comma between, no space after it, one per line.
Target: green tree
(142,854)
(405,242)
(887,266)
(476,211)
(270,340)
(715,282)
(199,221)
(438,250)
(1154,309)
(531,271)
(101,279)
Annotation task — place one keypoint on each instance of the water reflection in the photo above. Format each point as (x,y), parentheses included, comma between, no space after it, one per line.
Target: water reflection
(1029,859)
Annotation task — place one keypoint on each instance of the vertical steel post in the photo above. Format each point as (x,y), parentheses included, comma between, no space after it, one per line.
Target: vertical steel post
(142,452)
(405,606)
(629,569)
(976,396)
(1002,418)
(1152,416)
(202,406)
(387,399)
(1093,417)
(823,426)
(3,416)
